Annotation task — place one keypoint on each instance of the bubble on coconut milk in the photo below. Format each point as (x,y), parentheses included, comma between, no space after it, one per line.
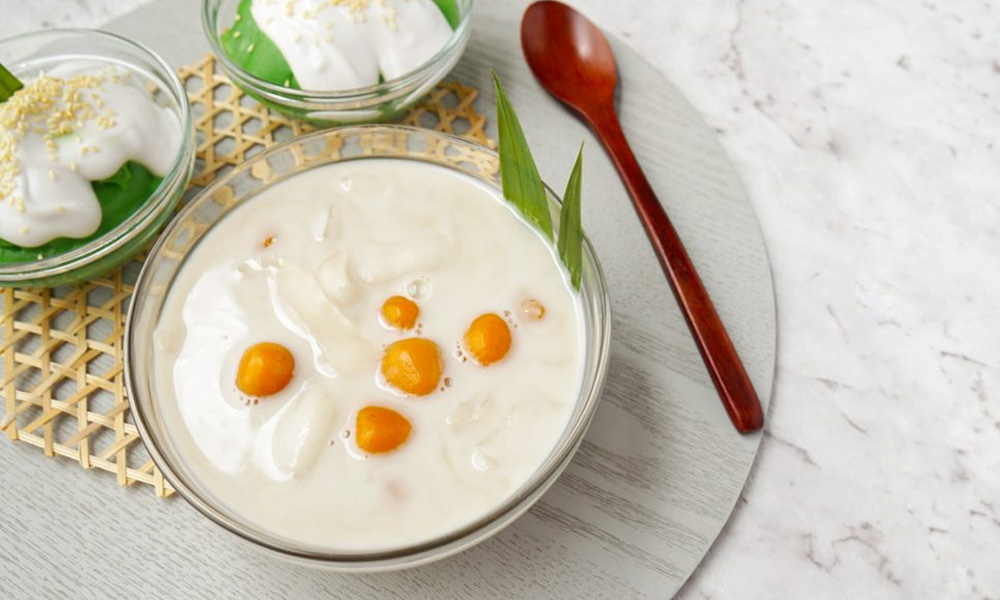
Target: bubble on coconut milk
(419,289)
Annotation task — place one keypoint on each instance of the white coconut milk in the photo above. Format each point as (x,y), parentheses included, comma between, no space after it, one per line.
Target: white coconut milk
(343,238)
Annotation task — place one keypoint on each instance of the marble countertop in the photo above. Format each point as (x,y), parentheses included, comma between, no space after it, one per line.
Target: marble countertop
(866,134)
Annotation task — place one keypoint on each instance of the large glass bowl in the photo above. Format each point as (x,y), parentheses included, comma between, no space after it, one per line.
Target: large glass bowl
(260,172)
(25,55)
(380,102)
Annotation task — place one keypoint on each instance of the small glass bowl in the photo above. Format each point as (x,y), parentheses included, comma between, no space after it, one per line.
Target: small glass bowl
(27,54)
(244,182)
(377,103)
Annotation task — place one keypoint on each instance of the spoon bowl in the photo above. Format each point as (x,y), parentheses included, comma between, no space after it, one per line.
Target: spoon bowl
(589,63)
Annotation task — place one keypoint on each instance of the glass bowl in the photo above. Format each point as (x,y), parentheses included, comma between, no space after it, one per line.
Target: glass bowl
(381,102)
(242,183)
(29,53)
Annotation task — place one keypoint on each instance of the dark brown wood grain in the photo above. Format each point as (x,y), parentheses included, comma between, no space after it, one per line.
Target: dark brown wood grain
(573,61)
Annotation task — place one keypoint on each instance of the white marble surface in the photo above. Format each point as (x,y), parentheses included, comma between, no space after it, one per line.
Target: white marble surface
(866,133)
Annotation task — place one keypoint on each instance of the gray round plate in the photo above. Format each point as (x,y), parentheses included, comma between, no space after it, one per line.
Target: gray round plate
(660,470)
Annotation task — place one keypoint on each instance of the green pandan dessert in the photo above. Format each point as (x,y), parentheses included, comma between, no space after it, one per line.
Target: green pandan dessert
(118,195)
(82,148)
(336,45)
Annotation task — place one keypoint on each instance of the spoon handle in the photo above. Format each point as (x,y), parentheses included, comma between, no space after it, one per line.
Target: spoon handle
(724,365)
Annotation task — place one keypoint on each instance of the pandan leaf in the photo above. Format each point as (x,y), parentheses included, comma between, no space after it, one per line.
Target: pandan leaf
(8,84)
(570,243)
(522,185)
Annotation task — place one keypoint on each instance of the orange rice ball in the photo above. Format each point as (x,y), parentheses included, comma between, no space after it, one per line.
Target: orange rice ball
(412,366)
(265,369)
(488,339)
(379,429)
(400,313)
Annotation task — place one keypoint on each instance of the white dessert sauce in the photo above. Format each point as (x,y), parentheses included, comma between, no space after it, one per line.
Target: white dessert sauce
(344,238)
(335,46)
(50,195)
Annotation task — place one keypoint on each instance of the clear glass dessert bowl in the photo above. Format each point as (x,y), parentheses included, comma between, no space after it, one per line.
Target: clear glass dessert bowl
(25,56)
(376,103)
(267,169)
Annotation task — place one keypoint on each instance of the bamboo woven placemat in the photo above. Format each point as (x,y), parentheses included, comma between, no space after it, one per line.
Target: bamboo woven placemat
(63,382)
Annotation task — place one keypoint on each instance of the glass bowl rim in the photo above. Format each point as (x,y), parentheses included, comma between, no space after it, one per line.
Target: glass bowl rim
(158,201)
(209,17)
(436,548)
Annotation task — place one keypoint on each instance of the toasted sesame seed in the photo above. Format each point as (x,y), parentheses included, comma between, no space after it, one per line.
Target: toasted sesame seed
(389,17)
(48,107)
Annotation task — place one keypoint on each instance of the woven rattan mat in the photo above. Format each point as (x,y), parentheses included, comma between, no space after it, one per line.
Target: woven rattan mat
(63,384)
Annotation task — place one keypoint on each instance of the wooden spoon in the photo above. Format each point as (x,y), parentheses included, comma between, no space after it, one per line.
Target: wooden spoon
(573,61)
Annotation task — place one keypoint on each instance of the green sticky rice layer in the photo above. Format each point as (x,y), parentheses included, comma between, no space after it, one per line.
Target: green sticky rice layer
(119,195)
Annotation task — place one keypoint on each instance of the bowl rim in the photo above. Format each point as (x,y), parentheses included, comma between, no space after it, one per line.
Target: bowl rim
(396,558)
(162,197)
(413,78)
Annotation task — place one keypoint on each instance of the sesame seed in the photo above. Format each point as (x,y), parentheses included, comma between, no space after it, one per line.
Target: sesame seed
(250,48)
(389,17)
(48,107)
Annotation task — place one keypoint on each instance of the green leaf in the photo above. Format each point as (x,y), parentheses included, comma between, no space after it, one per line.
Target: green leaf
(8,84)
(570,231)
(522,185)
